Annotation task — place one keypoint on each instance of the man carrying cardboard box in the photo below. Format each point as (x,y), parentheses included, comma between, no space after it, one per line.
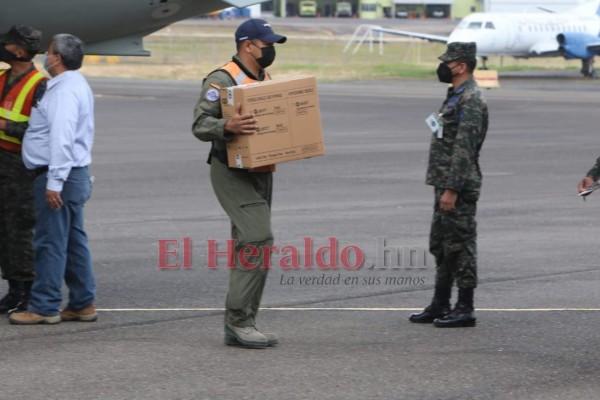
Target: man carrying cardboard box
(245,195)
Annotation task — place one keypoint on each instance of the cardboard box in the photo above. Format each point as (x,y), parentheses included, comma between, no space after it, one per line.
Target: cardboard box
(289,121)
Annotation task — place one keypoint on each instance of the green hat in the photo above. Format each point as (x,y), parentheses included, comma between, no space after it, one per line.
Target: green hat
(25,36)
(459,51)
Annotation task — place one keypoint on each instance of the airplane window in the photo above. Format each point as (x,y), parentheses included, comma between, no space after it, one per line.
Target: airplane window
(489,25)
(475,25)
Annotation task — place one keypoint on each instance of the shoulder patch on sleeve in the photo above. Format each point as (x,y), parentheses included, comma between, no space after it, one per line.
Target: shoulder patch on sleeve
(212,95)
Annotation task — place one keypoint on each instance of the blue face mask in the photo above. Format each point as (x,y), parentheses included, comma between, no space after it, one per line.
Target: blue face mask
(45,62)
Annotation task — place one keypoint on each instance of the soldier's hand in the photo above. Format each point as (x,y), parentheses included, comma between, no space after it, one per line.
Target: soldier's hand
(448,200)
(53,199)
(241,124)
(585,182)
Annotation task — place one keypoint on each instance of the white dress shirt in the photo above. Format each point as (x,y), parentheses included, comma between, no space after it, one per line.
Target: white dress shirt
(61,129)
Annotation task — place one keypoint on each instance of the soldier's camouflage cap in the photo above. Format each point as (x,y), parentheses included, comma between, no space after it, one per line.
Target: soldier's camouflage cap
(25,36)
(459,51)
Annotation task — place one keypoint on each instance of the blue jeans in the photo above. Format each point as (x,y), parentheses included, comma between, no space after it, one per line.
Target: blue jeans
(61,247)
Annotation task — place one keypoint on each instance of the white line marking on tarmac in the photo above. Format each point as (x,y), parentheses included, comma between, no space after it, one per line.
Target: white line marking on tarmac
(343,309)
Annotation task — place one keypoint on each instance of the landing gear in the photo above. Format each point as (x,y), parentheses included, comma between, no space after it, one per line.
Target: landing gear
(484,63)
(587,69)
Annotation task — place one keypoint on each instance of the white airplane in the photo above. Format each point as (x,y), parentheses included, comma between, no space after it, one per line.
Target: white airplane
(108,27)
(573,34)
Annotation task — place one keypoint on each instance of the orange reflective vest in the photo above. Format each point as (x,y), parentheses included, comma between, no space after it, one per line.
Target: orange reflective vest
(240,78)
(238,75)
(16,105)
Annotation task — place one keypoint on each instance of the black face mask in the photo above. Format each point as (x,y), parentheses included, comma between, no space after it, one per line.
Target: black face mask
(444,73)
(268,56)
(7,56)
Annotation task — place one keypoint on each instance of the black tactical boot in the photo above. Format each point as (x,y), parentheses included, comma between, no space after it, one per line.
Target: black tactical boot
(23,297)
(439,307)
(17,298)
(11,299)
(463,314)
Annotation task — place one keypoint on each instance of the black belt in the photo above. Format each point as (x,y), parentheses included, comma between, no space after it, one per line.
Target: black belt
(40,170)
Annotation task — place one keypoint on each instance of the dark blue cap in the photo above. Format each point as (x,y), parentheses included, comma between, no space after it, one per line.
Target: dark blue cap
(257,29)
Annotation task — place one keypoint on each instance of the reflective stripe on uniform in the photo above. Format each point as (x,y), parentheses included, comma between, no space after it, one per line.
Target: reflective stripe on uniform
(15,112)
(238,74)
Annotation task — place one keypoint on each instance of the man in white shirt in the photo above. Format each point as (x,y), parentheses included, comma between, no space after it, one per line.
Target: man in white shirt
(57,147)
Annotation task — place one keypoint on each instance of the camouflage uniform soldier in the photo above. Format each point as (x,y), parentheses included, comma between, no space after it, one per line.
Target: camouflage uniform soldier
(245,195)
(21,87)
(456,177)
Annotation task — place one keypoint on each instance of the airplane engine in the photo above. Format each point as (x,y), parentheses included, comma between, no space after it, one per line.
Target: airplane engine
(575,45)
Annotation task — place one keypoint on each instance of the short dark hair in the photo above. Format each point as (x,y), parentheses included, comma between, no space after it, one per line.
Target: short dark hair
(70,49)
(238,46)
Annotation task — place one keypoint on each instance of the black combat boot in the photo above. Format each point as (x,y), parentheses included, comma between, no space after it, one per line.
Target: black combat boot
(23,297)
(463,314)
(11,299)
(439,307)
(17,298)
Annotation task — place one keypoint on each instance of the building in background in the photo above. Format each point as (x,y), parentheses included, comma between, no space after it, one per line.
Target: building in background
(373,9)
(462,8)
(366,9)
(423,9)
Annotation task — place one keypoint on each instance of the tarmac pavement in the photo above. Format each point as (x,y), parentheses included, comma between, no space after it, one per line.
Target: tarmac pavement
(344,333)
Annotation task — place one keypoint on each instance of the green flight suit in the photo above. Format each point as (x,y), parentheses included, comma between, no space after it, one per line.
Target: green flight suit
(244,195)
(454,164)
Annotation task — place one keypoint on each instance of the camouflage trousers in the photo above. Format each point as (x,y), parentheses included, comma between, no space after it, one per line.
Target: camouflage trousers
(17,219)
(453,241)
